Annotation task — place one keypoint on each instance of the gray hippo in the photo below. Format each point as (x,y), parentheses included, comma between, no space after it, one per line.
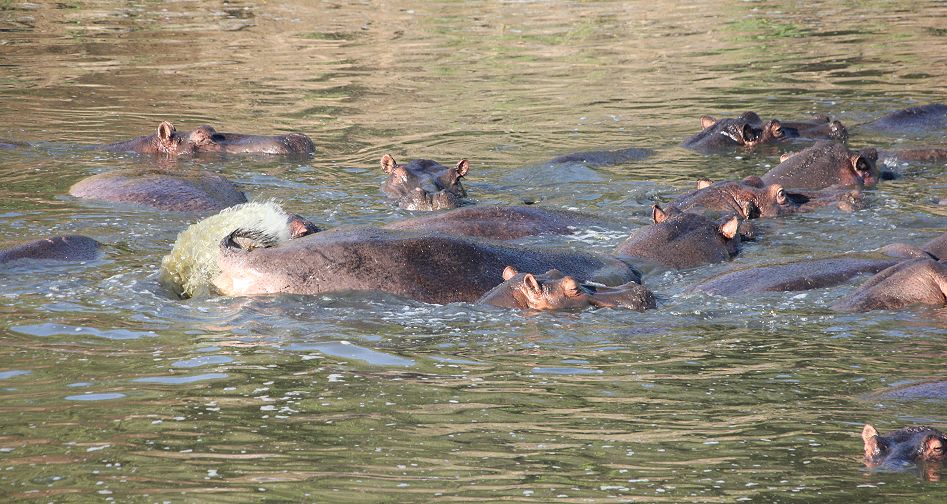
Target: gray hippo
(205,139)
(907,447)
(502,222)
(57,248)
(600,158)
(423,184)
(921,155)
(164,189)
(554,291)
(912,282)
(428,267)
(682,240)
(819,127)
(823,165)
(745,131)
(926,118)
(750,199)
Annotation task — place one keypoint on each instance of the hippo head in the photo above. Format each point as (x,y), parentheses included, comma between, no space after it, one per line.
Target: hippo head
(727,231)
(554,291)
(747,131)
(205,139)
(921,446)
(749,198)
(423,184)
(848,168)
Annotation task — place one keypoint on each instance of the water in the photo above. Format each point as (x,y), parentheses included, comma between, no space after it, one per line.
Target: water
(109,389)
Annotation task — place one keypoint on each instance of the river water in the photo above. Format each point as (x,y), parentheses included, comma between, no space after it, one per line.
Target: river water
(110,390)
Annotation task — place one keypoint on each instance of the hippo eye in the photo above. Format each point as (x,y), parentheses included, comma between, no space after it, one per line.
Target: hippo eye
(781,197)
(777,131)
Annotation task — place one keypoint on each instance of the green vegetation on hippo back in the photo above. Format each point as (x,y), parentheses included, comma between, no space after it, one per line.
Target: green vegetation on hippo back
(192,263)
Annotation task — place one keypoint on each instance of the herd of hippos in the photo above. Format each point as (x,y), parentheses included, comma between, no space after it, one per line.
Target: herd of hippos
(463,253)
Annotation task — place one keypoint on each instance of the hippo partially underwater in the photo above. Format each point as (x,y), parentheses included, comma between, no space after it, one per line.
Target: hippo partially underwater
(823,165)
(917,446)
(205,139)
(554,291)
(423,184)
(682,240)
(161,188)
(75,248)
(748,130)
(750,198)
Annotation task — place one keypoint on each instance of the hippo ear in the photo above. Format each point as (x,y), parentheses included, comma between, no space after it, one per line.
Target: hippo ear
(778,194)
(707,121)
(509,272)
(165,131)
(861,163)
(775,129)
(786,156)
(753,181)
(463,166)
(703,183)
(532,284)
(932,448)
(729,229)
(870,438)
(657,214)
(388,163)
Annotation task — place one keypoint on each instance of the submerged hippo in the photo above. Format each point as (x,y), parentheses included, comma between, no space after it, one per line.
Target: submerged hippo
(911,282)
(205,139)
(554,291)
(164,189)
(423,184)
(927,155)
(428,267)
(797,276)
(903,448)
(823,165)
(819,127)
(502,222)
(746,131)
(11,144)
(601,157)
(926,118)
(750,199)
(682,240)
(57,248)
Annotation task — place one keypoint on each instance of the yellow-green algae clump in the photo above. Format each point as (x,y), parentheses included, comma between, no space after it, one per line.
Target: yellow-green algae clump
(191,267)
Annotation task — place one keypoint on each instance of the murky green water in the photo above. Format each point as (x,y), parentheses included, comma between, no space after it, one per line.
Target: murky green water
(109,390)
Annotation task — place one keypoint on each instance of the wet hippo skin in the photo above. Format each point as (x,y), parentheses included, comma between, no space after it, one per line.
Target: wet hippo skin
(429,267)
(164,189)
(205,139)
(57,248)
(423,184)
(554,291)
(823,165)
(502,222)
(682,240)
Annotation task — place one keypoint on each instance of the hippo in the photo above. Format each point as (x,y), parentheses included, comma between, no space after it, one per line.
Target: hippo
(423,184)
(746,131)
(932,390)
(926,118)
(11,144)
(602,157)
(502,222)
(750,199)
(205,139)
(825,164)
(797,276)
(682,240)
(187,271)
(424,266)
(922,155)
(935,249)
(906,447)
(163,189)
(74,248)
(554,291)
(911,282)
(819,127)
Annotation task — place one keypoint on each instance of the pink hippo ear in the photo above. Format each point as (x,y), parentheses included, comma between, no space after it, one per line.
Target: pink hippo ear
(703,183)
(657,214)
(388,163)
(707,121)
(785,156)
(870,438)
(729,229)
(509,272)
(532,284)
(165,131)
(463,166)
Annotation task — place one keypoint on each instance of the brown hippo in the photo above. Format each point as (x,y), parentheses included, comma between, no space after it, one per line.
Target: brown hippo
(428,267)
(911,282)
(554,291)
(57,248)
(205,139)
(601,157)
(904,448)
(745,131)
(423,184)
(797,276)
(823,165)
(750,199)
(819,127)
(926,118)
(502,222)
(682,240)
(164,189)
